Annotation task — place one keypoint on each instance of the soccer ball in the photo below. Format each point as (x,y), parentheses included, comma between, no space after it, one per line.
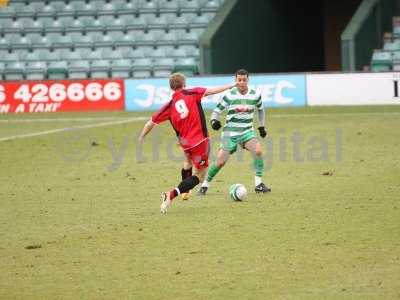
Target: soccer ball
(237,192)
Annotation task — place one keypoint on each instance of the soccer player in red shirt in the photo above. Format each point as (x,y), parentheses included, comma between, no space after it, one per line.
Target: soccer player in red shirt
(186,115)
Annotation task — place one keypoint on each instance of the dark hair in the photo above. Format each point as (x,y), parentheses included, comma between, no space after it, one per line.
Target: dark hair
(242,72)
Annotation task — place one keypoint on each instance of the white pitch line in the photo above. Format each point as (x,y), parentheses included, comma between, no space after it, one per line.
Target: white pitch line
(31,120)
(54,120)
(27,135)
(334,114)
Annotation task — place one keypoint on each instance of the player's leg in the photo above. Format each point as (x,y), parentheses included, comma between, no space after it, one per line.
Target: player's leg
(222,158)
(198,156)
(186,172)
(254,146)
(227,147)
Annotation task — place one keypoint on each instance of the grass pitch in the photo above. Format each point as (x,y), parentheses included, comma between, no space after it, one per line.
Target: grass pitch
(79,211)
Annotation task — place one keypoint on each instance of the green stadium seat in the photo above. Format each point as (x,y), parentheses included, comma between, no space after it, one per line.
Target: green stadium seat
(100,69)
(41,42)
(42,10)
(121,68)
(381,61)
(36,70)
(14,71)
(79,69)
(187,65)
(57,70)
(58,5)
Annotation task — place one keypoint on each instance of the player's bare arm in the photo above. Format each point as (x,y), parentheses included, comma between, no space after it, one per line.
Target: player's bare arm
(219,89)
(146,130)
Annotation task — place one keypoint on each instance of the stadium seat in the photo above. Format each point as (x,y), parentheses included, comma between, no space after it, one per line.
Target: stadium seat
(108,53)
(163,67)
(177,53)
(20,42)
(72,55)
(43,11)
(191,6)
(121,39)
(60,41)
(1,71)
(100,69)
(167,6)
(51,25)
(7,12)
(83,41)
(36,70)
(396,60)
(47,55)
(105,40)
(187,65)
(121,68)
(11,57)
(381,61)
(21,53)
(210,6)
(57,70)
(32,26)
(142,68)
(32,56)
(14,71)
(78,69)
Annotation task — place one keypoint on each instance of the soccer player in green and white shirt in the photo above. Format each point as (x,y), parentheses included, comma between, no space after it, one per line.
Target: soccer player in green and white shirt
(240,102)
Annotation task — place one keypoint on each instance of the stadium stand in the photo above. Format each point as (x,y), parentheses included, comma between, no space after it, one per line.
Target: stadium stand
(101,38)
(388,58)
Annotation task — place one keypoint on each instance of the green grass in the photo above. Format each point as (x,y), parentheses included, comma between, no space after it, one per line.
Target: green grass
(102,236)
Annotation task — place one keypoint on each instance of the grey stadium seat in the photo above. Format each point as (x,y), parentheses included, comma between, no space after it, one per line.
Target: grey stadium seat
(36,70)
(142,67)
(79,69)
(163,67)
(121,68)
(100,69)
(14,71)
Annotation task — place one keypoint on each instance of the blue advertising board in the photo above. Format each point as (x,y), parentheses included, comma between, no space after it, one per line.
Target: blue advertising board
(276,91)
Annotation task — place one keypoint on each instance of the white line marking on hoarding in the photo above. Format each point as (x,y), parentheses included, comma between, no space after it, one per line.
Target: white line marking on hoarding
(27,135)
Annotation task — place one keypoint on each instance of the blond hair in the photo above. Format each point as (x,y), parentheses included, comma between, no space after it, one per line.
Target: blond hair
(177,81)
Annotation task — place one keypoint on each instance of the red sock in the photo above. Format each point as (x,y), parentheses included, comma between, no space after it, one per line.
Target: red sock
(173,194)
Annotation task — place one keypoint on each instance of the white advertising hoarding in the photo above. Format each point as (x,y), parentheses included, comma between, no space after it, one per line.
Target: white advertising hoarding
(353,89)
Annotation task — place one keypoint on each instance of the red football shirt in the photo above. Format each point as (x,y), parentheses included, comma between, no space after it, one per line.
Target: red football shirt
(186,116)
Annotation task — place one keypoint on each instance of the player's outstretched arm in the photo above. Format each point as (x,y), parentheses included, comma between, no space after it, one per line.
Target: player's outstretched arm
(146,129)
(219,89)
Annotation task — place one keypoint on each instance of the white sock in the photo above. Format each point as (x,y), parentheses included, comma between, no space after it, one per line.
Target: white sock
(205,183)
(257,180)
